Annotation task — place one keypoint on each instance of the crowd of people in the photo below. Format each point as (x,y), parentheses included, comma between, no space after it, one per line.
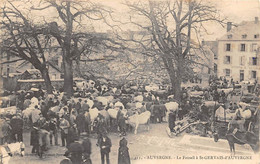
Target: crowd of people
(51,115)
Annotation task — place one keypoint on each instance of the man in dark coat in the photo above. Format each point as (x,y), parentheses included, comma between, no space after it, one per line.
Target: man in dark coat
(44,109)
(64,126)
(50,104)
(34,140)
(76,150)
(53,125)
(72,134)
(16,124)
(171,120)
(78,105)
(223,96)
(121,122)
(123,154)
(100,125)
(157,111)
(105,144)
(85,106)
(215,95)
(5,131)
(81,123)
(86,143)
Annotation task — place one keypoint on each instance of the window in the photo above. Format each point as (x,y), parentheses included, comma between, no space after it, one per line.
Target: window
(229,36)
(244,36)
(256,36)
(253,74)
(242,60)
(227,72)
(228,47)
(254,60)
(227,60)
(243,47)
(254,47)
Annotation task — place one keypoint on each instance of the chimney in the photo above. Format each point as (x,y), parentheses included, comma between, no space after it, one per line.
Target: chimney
(229,26)
(256,20)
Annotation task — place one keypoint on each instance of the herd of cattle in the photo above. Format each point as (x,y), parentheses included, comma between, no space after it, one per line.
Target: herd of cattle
(137,105)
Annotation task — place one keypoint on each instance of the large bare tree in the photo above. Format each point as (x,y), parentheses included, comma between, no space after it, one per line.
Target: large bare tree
(171,30)
(25,40)
(71,30)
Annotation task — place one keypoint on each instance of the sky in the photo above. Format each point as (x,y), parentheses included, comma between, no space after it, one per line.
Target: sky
(235,11)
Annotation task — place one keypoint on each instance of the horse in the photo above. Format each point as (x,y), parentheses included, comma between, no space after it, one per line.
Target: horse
(7,151)
(240,137)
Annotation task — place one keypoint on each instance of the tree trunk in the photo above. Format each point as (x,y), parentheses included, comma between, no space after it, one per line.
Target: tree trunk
(177,90)
(67,61)
(68,77)
(178,78)
(47,81)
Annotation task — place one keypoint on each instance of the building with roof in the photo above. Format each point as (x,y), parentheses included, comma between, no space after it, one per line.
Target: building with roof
(238,52)
(11,66)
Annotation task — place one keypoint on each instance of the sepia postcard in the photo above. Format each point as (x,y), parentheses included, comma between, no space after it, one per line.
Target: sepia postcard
(129,81)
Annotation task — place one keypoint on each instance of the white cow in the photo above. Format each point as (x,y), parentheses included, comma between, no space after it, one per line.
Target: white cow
(113,112)
(138,105)
(119,104)
(93,114)
(139,98)
(172,106)
(151,87)
(226,91)
(139,119)
(105,100)
(211,103)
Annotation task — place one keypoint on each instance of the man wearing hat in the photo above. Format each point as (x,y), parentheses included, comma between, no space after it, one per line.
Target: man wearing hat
(105,145)
(121,122)
(5,129)
(64,126)
(16,124)
(34,139)
(72,133)
(76,150)
(171,120)
(86,143)
(100,125)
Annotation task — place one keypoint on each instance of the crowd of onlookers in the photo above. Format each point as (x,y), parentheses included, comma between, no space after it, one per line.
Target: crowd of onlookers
(49,116)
